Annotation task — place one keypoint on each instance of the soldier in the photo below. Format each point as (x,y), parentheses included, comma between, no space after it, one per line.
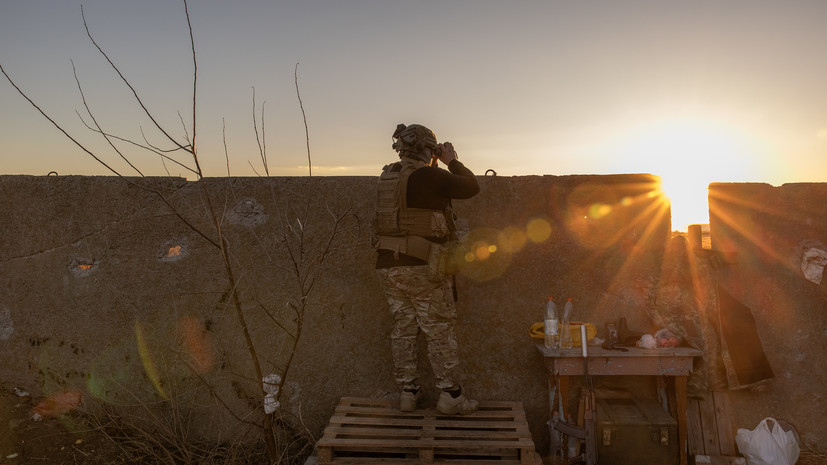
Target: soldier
(413,225)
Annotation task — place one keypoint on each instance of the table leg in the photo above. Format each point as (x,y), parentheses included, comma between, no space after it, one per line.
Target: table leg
(552,401)
(680,393)
(564,397)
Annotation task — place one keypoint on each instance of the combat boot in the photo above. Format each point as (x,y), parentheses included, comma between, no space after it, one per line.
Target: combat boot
(450,405)
(408,400)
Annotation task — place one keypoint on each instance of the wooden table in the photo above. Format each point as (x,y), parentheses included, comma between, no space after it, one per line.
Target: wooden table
(675,363)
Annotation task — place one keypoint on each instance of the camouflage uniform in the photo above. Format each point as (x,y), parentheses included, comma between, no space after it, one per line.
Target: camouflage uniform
(418,299)
(412,225)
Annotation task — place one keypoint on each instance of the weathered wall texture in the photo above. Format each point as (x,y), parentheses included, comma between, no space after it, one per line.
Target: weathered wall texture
(763,233)
(105,290)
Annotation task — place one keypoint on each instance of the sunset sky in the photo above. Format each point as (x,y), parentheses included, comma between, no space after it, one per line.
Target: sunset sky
(696,92)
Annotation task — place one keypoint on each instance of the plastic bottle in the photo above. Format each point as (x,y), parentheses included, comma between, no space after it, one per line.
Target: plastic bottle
(565,329)
(550,322)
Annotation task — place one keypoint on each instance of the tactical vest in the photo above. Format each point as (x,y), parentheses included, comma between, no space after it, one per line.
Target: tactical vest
(403,229)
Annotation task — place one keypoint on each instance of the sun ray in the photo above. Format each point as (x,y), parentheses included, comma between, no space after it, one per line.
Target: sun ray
(688,152)
(650,217)
(719,211)
(657,211)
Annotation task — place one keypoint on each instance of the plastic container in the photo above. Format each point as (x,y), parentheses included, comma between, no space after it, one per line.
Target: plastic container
(551,325)
(565,332)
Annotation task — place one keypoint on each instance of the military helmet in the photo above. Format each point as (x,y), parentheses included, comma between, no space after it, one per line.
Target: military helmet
(414,141)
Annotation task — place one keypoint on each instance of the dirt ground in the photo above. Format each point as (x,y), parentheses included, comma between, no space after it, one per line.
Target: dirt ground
(69,440)
(50,441)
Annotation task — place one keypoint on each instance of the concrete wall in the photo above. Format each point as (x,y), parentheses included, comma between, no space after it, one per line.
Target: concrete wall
(763,232)
(105,290)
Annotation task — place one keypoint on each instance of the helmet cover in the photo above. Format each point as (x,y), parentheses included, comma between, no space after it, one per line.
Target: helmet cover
(414,141)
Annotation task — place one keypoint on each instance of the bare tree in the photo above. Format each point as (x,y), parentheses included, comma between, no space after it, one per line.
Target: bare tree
(305,255)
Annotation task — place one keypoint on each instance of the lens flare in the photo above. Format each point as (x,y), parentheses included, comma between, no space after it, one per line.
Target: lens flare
(599,210)
(146,359)
(58,404)
(538,230)
(482,257)
(114,369)
(600,216)
(511,239)
(197,344)
(482,251)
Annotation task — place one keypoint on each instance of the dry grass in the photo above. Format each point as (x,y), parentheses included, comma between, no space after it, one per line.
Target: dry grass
(162,436)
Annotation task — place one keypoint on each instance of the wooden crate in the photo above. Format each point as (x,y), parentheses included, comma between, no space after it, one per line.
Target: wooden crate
(375,431)
(633,430)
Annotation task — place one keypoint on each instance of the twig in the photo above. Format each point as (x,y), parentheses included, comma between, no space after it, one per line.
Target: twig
(224,138)
(20,91)
(148,146)
(94,120)
(129,85)
(194,83)
(304,117)
(262,141)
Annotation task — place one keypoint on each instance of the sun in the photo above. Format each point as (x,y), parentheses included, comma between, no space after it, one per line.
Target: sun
(688,154)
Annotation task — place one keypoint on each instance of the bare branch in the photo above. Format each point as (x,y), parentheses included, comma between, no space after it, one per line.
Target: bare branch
(217,397)
(194,88)
(97,125)
(224,138)
(264,139)
(164,164)
(304,255)
(60,128)
(147,147)
(253,167)
(275,321)
(184,127)
(82,147)
(128,84)
(304,117)
(262,142)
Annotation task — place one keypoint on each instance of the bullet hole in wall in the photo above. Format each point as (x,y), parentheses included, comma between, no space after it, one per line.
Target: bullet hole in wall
(247,212)
(173,250)
(82,267)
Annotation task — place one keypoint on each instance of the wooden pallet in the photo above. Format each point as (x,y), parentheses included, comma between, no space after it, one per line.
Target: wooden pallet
(375,431)
(711,437)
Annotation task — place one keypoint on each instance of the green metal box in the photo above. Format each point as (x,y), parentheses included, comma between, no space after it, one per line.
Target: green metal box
(633,431)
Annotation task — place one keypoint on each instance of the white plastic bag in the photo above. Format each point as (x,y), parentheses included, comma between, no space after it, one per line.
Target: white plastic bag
(270,384)
(764,447)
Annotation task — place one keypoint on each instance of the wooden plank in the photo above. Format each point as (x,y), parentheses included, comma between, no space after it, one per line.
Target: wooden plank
(608,366)
(409,425)
(635,361)
(632,352)
(487,443)
(415,461)
(719,460)
(723,418)
(710,426)
(694,428)
(376,432)
(680,393)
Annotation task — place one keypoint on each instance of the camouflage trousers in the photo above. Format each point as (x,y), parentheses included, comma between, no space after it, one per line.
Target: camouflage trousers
(421,300)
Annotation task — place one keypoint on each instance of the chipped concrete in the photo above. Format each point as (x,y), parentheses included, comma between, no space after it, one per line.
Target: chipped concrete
(6,324)
(247,212)
(173,250)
